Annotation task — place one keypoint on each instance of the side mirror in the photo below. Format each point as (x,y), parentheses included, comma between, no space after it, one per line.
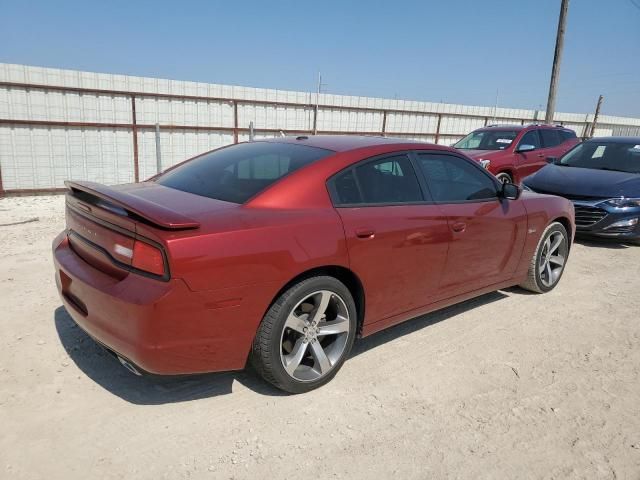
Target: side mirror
(525,148)
(510,191)
(552,160)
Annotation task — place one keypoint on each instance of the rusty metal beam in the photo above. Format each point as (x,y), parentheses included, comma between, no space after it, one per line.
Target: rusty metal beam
(314,131)
(144,126)
(33,191)
(235,122)
(139,126)
(1,187)
(55,123)
(100,91)
(134,132)
(438,128)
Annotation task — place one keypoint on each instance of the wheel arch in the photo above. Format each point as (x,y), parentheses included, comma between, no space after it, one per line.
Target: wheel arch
(343,274)
(566,223)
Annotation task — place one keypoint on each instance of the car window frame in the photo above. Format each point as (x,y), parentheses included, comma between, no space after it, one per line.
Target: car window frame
(335,197)
(535,130)
(473,163)
(572,135)
(543,143)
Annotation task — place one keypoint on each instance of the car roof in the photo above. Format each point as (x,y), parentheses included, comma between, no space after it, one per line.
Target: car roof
(518,127)
(503,127)
(635,140)
(344,143)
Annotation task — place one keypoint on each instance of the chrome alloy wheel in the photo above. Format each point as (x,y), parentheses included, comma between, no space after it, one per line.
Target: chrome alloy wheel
(314,336)
(504,178)
(552,258)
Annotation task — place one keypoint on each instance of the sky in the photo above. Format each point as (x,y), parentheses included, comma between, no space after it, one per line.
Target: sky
(456,51)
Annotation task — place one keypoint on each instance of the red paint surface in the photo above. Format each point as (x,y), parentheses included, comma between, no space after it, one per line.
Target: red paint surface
(520,164)
(224,275)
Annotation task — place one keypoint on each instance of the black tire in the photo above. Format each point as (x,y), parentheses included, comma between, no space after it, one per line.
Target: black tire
(535,282)
(267,348)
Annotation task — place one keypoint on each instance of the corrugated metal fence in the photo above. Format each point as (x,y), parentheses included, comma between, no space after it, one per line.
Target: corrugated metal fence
(59,124)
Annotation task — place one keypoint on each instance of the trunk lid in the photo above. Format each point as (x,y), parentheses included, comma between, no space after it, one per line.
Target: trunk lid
(104,223)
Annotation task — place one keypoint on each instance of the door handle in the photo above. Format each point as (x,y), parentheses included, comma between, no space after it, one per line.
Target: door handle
(458,227)
(365,233)
(540,155)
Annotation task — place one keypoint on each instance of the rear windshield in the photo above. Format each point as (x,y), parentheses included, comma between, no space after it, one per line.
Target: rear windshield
(487,140)
(239,172)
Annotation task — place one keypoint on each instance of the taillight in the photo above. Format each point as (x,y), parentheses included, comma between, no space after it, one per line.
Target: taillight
(147,258)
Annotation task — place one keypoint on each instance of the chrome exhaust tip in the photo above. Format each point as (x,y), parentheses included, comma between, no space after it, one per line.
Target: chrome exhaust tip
(129,366)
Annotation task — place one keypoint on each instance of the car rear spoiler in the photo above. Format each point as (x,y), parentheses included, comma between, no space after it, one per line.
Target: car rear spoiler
(150,212)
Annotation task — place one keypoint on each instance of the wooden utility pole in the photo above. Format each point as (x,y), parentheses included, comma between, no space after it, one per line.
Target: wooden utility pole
(595,117)
(557,57)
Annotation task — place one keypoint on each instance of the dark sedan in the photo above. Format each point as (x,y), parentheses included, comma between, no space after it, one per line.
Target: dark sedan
(602,178)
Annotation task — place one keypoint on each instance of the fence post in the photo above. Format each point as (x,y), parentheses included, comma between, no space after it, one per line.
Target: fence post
(315,120)
(235,121)
(438,128)
(1,187)
(384,122)
(134,130)
(158,152)
(251,131)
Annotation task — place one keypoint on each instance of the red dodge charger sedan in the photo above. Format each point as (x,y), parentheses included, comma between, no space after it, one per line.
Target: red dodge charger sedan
(284,251)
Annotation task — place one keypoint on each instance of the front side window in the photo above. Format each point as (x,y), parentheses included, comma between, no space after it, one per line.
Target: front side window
(617,156)
(452,179)
(530,138)
(239,172)
(386,180)
(487,140)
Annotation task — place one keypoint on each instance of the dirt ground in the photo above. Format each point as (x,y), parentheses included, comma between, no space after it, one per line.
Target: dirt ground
(509,385)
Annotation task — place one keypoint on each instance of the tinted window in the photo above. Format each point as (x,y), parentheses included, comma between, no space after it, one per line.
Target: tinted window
(347,189)
(453,179)
(530,138)
(386,180)
(567,135)
(550,138)
(603,155)
(237,173)
(487,140)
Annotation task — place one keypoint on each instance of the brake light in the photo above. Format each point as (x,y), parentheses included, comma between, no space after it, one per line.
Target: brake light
(147,258)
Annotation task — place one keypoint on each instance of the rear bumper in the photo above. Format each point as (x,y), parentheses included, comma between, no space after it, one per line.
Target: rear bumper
(161,327)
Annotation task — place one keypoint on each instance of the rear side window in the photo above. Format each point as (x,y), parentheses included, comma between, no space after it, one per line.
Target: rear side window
(550,138)
(452,179)
(239,172)
(566,135)
(385,180)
